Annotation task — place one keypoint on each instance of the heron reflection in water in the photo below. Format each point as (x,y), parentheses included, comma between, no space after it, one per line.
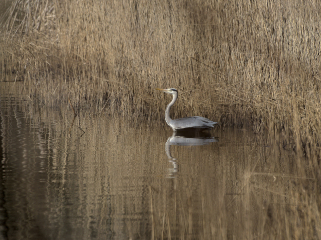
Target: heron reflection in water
(182,123)
(185,137)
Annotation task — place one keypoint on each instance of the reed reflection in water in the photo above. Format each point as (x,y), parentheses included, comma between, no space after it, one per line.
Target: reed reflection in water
(111,181)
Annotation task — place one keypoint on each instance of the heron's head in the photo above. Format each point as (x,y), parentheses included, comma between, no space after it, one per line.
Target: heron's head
(169,90)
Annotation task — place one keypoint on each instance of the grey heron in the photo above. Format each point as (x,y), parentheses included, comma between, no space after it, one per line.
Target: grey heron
(188,122)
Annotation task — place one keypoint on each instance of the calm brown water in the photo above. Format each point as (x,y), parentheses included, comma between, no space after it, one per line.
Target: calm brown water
(102,177)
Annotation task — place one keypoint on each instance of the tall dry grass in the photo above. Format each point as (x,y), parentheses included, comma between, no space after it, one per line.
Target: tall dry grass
(246,63)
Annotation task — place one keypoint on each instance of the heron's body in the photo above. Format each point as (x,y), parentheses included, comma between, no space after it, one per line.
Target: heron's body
(181,123)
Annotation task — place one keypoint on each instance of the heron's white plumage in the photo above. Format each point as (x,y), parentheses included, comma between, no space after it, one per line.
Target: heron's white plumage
(181,123)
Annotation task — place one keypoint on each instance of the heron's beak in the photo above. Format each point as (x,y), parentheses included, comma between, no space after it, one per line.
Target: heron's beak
(164,90)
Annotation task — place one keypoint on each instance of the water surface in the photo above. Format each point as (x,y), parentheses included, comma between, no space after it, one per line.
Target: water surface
(99,176)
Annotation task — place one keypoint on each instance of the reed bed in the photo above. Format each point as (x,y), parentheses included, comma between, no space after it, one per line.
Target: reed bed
(243,63)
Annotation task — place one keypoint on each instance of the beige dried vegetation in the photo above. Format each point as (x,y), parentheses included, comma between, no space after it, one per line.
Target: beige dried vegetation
(246,63)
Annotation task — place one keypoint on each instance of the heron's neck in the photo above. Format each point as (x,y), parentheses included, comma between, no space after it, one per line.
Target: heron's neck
(167,117)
